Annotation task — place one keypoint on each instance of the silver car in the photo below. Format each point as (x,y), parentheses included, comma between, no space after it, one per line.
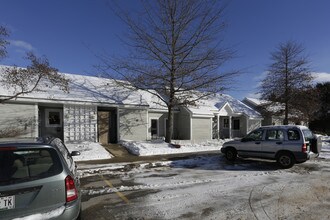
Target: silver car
(285,144)
(38,180)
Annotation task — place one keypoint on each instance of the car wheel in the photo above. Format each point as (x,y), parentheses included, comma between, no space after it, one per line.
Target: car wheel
(285,160)
(231,154)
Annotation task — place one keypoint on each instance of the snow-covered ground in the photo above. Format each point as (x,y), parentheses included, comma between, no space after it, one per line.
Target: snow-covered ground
(89,151)
(159,147)
(325,151)
(208,187)
(94,151)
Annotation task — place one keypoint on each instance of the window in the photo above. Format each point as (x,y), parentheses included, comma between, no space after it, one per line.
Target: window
(255,135)
(28,164)
(275,135)
(226,123)
(236,124)
(53,117)
(308,135)
(293,135)
(154,127)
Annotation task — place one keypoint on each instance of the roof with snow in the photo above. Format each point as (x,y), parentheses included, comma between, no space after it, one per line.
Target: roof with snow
(153,100)
(216,103)
(267,105)
(85,89)
(99,90)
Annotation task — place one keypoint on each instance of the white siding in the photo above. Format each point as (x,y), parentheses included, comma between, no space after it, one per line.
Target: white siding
(133,124)
(18,120)
(253,124)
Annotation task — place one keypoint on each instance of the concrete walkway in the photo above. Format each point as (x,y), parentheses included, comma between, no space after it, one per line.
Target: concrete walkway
(121,155)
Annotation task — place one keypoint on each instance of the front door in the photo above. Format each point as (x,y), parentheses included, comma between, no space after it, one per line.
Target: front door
(103,126)
(51,122)
(107,127)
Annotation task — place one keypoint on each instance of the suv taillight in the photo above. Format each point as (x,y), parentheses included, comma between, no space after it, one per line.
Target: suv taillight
(70,189)
(304,148)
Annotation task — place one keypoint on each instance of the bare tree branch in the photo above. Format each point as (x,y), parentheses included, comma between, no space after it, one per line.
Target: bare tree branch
(287,76)
(175,52)
(36,77)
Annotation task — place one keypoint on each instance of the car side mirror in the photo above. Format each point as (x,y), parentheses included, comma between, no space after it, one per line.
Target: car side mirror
(75,153)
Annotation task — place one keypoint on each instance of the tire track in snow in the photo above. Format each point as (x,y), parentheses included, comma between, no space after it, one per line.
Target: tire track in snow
(255,203)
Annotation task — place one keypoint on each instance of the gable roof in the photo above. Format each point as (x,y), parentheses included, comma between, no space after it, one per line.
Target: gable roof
(217,102)
(263,105)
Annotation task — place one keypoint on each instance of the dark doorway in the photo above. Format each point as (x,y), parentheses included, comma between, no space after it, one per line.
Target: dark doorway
(107,125)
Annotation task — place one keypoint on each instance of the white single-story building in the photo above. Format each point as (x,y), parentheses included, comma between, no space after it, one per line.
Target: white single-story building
(97,110)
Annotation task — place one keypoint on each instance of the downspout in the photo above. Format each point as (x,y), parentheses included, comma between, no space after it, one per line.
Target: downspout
(247,125)
(230,135)
(191,132)
(218,126)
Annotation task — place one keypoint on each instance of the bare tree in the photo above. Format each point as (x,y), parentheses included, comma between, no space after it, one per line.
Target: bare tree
(288,74)
(175,52)
(3,42)
(21,81)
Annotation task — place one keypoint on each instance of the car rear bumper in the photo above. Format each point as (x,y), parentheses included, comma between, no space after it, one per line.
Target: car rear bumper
(301,156)
(72,210)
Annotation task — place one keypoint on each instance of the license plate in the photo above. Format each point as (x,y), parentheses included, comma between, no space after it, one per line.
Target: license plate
(7,202)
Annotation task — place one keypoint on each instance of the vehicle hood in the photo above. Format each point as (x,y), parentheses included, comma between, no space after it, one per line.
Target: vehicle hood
(232,143)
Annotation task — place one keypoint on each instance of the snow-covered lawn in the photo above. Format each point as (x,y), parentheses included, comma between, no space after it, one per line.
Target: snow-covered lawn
(94,151)
(159,147)
(89,151)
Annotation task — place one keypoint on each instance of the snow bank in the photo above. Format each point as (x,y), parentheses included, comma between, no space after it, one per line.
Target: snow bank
(94,151)
(325,151)
(89,151)
(159,147)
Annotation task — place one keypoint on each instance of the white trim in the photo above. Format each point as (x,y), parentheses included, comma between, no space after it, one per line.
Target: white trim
(149,126)
(78,102)
(230,128)
(165,130)
(36,120)
(218,126)
(211,128)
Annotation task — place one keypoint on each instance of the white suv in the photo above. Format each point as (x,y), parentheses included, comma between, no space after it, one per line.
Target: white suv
(287,144)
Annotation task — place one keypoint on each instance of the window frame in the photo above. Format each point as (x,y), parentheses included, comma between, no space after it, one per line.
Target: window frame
(157,128)
(50,125)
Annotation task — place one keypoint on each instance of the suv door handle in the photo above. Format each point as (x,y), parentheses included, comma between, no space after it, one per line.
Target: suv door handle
(279,142)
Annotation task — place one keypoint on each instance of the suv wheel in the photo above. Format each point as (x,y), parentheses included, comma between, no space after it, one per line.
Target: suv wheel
(231,154)
(285,160)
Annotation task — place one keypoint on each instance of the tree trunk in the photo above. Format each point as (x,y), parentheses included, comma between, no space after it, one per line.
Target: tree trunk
(286,118)
(169,128)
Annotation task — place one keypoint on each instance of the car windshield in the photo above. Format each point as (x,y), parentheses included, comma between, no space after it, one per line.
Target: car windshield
(23,165)
(254,136)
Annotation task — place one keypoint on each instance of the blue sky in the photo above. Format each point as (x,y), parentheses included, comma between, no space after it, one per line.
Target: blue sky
(70,32)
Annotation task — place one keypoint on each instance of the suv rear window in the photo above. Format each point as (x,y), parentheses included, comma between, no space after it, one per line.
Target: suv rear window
(23,165)
(308,134)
